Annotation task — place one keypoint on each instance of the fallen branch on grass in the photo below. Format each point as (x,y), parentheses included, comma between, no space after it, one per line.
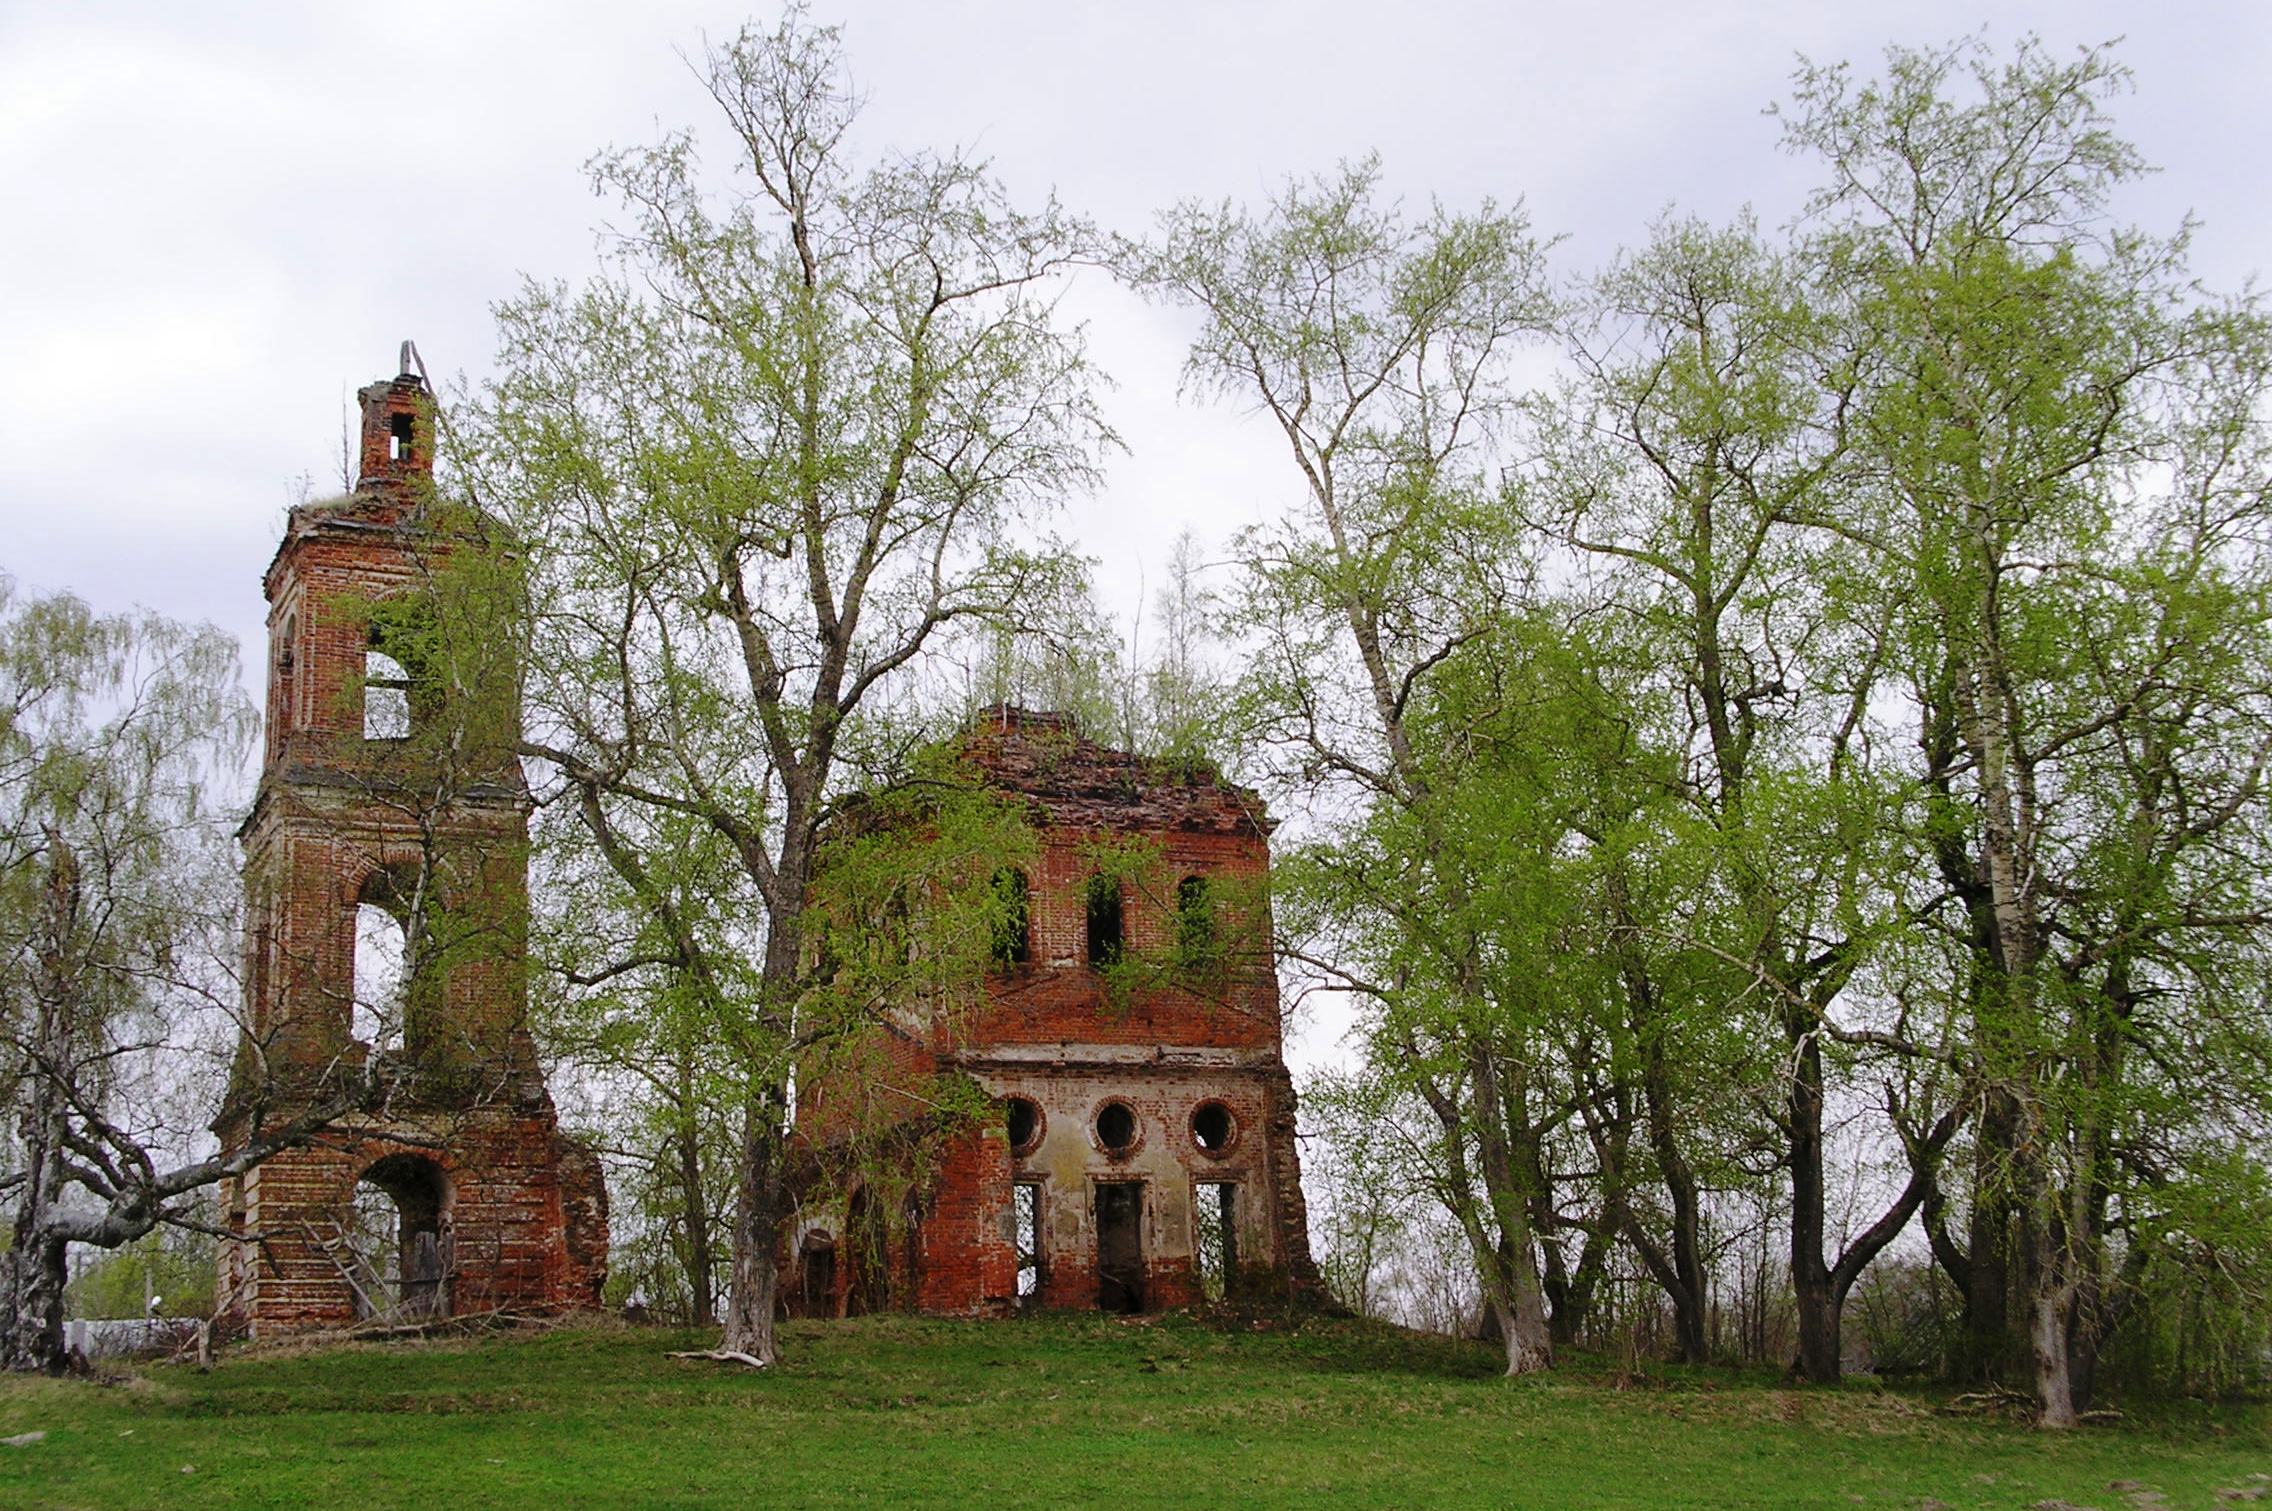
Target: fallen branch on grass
(1981,1402)
(721,1356)
(462,1322)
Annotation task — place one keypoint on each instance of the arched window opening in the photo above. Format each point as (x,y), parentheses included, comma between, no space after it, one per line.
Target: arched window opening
(386,697)
(1195,943)
(391,1246)
(1023,1115)
(382,977)
(401,685)
(1105,925)
(1013,918)
(284,685)
(392,986)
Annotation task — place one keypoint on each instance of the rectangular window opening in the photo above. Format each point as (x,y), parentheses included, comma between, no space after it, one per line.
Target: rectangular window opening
(398,437)
(1104,922)
(386,698)
(1216,1216)
(1029,1243)
(1013,920)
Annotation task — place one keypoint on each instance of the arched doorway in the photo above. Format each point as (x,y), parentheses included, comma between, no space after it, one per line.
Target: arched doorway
(398,1248)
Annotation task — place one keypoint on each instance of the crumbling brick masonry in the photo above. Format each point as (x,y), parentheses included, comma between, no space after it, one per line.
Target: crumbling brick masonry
(1145,1153)
(478,1201)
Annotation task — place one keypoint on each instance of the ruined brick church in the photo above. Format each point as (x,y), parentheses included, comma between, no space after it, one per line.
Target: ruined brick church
(1143,1155)
(1130,1033)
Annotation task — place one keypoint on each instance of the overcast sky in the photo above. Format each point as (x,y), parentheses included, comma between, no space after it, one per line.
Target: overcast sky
(217,220)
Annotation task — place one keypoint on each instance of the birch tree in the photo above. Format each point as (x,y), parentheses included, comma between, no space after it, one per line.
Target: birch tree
(1686,467)
(121,743)
(795,433)
(2071,482)
(1380,348)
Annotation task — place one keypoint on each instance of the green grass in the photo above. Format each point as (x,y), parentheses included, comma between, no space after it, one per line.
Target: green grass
(1069,1411)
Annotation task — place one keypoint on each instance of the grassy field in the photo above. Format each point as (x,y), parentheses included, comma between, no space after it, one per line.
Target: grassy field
(1077,1411)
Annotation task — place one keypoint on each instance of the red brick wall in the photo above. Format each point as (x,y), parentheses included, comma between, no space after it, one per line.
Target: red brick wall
(525,1211)
(1159,1038)
(505,1221)
(968,1262)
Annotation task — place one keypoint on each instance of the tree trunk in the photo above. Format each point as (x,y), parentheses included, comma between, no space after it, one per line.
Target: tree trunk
(1504,1268)
(1984,715)
(1682,1282)
(1687,1294)
(1572,1307)
(2086,1330)
(1988,1321)
(1689,1299)
(31,1303)
(757,1231)
(2047,1336)
(761,1203)
(1522,1326)
(1818,1359)
(700,1265)
(1554,1273)
(31,1324)
(1517,1295)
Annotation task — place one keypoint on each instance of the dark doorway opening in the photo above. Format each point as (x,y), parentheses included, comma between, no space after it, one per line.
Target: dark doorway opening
(816,1279)
(395,1264)
(1120,1246)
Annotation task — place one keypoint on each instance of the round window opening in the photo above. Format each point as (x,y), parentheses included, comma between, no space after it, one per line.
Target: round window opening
(1024,1115)
(1116,1127)
(1213,1128)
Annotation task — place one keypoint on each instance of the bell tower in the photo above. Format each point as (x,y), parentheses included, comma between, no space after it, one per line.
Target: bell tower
(386,898)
